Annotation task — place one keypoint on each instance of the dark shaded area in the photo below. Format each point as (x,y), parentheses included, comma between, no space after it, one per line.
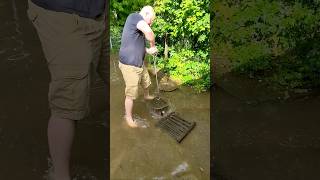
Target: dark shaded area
(276,41)
(24,109)
(270,140)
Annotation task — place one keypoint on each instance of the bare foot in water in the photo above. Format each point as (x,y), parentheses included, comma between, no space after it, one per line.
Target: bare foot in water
(131,123)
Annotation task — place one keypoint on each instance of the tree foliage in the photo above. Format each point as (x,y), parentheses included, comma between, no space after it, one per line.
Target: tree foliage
(120,9)
(182,35)
(186,21)
(274,36)
(184,25)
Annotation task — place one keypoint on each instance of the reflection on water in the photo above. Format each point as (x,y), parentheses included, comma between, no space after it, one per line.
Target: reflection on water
(24,109)
(271,139)
(148,153)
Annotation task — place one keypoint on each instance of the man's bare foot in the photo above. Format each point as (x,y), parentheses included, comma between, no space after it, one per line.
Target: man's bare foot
(148,97)
(131,123)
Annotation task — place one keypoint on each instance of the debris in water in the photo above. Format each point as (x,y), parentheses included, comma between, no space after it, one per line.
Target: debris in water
(159,103)
(160,107)
(183,167)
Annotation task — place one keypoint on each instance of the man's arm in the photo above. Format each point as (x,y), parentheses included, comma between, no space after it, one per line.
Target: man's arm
(147,31)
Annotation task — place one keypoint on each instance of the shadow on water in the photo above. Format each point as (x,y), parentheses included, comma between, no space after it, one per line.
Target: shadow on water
(148,153)
(259,135)
(24,109)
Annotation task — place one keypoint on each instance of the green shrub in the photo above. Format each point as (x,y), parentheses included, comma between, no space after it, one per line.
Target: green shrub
(184,25)
(115,37)
(259,36)
(186,67)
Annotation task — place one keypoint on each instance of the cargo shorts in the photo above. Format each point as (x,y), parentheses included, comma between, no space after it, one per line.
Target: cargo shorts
(72,47)
(133,76)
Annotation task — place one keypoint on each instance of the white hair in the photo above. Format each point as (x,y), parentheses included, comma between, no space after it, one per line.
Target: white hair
(146,10)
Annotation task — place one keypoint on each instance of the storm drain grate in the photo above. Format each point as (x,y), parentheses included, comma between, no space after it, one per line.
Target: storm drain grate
(175,126)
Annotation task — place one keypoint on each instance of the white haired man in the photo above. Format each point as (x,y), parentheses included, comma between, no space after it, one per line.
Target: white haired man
(132,52)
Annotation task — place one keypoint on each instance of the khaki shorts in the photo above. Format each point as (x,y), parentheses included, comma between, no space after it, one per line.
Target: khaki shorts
(133,76)
(72,47)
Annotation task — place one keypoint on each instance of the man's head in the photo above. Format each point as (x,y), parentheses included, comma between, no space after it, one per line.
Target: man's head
(148,14)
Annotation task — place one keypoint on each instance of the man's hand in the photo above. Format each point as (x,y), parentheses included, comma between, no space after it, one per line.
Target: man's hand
(152,50)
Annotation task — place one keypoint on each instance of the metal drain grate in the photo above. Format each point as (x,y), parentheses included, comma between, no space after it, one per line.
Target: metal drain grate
(175,126)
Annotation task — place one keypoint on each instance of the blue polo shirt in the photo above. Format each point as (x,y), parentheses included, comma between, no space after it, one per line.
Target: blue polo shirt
(133,43)
(84,8)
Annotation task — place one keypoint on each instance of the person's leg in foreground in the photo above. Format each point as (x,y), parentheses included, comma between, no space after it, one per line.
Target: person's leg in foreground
(71,44)
(60,138)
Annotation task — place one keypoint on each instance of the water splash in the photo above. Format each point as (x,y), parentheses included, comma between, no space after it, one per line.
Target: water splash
(180,169)
(81,173)
(141,122)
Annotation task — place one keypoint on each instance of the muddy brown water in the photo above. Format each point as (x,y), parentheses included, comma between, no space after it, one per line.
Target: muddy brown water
(24,110)
(259,135)
(255,136)
(149,153)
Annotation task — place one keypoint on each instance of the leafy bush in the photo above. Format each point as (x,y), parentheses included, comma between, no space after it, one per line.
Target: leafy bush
(115,32)
(182,36)
(274,36)
(186,67)
(184,26)
(120,9)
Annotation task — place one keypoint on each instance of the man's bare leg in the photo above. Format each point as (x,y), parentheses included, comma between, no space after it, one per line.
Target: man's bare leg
(147,95)
(60,137)
(128,108)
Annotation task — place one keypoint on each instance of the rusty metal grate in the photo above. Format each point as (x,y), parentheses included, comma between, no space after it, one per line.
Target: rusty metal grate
(175,126)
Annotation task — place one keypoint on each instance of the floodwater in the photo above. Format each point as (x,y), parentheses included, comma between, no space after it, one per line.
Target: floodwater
(149,153)
(24,110)
(260,134)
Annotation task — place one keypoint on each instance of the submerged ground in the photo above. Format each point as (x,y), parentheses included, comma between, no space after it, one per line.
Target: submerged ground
(149,153)
(262,134)
(24,110)
(141,153)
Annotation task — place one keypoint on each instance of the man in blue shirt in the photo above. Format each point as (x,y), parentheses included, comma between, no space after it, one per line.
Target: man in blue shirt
(132,52)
